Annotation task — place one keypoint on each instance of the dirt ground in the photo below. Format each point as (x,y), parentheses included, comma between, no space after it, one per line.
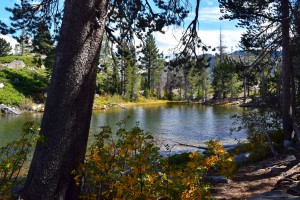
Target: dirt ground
(273,173)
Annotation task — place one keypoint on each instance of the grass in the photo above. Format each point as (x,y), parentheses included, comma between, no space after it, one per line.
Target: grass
(107,99)
(22,85)
(28,60)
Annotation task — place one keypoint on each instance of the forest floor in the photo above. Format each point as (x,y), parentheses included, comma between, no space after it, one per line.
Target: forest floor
(273,178)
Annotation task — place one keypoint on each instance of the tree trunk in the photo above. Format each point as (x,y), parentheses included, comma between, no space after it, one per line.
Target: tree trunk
(245,89)
(205,90)
(68,109)
(149,78)
(286,75)
(263,88)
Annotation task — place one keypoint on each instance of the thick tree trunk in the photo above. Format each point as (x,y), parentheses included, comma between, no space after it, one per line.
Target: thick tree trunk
(68,110)
(286,75)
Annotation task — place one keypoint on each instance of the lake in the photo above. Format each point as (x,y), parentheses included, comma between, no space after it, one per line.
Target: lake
(189,124)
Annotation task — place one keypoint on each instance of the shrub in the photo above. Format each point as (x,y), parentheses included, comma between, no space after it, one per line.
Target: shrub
(127,165)
(30,83)
(10,96)
(12,159)
(260,124)
(147,93)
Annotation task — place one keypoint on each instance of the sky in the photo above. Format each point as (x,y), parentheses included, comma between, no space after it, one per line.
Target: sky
(4,17)
(209,28)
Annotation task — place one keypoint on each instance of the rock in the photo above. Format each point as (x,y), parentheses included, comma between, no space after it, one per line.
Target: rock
(218,179)
(35,107)
(276,171)
(235,103)
(104,107)
(274,195)
(16,64)
(11,110)
(290,159)
(1,85)
(16,80)
(40,108)
(287,143)
(241,158)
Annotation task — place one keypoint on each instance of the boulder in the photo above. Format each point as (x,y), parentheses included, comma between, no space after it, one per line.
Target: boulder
(290,159)
(16,64)
(242,158)
(218,179)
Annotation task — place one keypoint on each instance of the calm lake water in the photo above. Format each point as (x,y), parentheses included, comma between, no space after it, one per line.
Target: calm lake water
(169,124)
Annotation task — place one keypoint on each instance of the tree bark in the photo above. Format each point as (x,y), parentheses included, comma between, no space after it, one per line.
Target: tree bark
(68,109)
(245,89)
(286,75)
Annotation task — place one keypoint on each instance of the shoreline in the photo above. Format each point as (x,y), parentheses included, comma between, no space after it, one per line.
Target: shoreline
(39,107)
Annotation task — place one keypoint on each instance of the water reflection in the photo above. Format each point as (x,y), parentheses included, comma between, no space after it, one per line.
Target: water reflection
(189,124)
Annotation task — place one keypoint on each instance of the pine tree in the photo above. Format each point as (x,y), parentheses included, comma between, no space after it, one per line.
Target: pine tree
(128,64)
(151,63)
(42,42)
(108,75)
(24,45)
(268,26)
(5,47)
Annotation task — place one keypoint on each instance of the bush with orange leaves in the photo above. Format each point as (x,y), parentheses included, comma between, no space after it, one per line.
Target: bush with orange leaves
(127,165)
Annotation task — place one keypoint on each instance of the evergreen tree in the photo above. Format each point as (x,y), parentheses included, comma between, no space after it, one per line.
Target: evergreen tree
(43,45)
(5,47)
(42,42)
(201,80)
(268,23)
(108,75)
(151,63)
(127,62)
(222,75)
(24,45)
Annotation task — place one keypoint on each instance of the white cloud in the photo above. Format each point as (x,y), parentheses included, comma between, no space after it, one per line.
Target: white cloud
(170,39)
(209,14)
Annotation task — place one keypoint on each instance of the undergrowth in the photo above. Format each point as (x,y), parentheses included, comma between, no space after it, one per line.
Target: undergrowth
(127,165)
(264,131)
(12,159)
(21,85)
(124,165)
(28,60)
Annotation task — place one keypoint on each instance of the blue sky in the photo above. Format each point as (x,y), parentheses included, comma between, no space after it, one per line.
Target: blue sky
(4,17)
(209,27)
(3,13)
